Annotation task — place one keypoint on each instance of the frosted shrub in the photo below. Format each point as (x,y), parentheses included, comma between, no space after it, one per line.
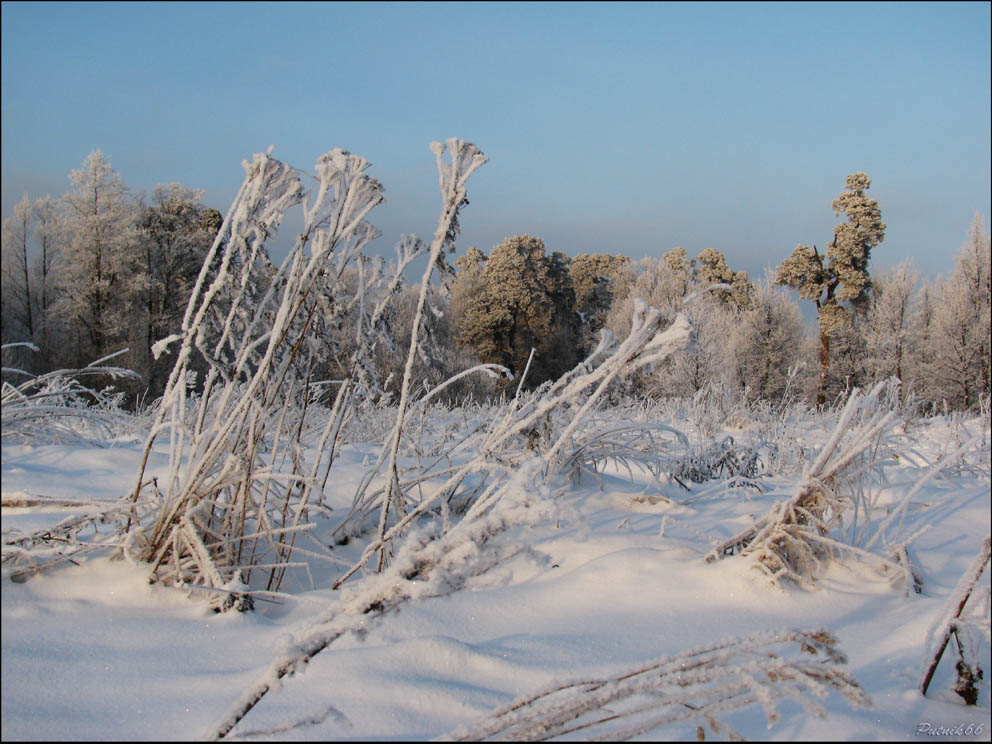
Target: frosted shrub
(59,407)
(793,539)
(835,510)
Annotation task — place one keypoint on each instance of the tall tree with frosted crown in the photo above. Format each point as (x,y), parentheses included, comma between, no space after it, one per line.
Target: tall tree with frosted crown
(839,281)
(962,324)
(18,319)
(100,270)
(175,232)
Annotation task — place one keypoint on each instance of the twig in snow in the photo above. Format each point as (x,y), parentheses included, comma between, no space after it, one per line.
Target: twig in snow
(969,673)
(695,686)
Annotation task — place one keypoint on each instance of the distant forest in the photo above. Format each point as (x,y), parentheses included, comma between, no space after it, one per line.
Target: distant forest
(99,270)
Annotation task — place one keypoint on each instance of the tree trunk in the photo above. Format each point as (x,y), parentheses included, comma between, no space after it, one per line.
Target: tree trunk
(821,396)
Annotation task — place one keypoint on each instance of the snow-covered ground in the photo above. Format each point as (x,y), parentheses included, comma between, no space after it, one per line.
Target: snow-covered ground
(92,651)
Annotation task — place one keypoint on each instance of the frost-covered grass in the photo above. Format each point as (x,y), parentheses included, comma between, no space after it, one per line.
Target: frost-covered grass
(599,571)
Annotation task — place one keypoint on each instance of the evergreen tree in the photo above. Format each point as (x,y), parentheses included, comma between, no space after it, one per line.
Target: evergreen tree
(679,271)
(561,346)
(526,303)
(849,361)
(468,285)
(594,278)
(712,268)
(838,282)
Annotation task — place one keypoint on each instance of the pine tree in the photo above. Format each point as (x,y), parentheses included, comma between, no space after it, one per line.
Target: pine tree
(850,366)
(676,263)
(561,345)
(712,268)
(468,285)
(594,278)
(838,282)
(526,303)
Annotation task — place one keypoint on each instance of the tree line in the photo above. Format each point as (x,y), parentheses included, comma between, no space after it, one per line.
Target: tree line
(100,269)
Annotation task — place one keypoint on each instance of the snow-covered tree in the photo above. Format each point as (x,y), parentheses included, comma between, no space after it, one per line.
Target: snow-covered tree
(712,268)
(562,344)
(526,303)
(49,225)
(889,322)
(685,373)
(849,364)
(679,268)
(665,284)
(468,285)
(100,269)
(660,283)
(18,301)
(839,281)
(961,323)
(920,357)
(768,342)
(594,280)
(175,234)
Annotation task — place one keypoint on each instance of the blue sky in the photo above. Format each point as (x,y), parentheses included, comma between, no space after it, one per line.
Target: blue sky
(626,128)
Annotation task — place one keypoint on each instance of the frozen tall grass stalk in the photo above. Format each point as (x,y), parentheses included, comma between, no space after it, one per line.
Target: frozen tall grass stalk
(237,491)
(697,686)
(438,556)
(465,159)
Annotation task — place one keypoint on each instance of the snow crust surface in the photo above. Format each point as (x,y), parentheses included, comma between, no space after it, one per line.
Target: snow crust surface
(92,651)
